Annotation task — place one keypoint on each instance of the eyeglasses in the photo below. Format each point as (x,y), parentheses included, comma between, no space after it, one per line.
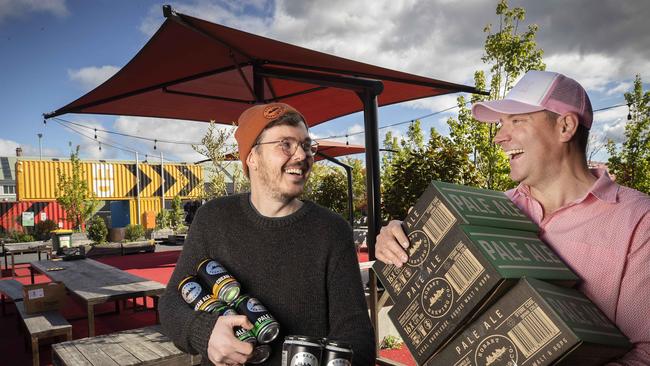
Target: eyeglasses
(290,145)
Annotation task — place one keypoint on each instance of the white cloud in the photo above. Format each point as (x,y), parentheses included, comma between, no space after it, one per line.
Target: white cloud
(92,76)
(615,130)
(8,147)
(20,8)
(587,69)
(620,88)
(164,129)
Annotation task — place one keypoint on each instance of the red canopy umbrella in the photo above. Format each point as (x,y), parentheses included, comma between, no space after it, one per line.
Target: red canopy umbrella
(196,70)
(334,148)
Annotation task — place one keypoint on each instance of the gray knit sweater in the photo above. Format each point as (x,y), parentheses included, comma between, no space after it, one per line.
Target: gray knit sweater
(302,267)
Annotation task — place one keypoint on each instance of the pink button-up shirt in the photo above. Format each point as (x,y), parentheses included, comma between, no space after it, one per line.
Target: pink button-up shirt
(605,238)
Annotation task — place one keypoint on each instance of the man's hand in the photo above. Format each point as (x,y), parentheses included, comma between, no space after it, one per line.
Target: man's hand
(391,244)
(223,347)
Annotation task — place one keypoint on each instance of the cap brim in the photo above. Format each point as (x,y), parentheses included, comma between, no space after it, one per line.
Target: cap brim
(493,110)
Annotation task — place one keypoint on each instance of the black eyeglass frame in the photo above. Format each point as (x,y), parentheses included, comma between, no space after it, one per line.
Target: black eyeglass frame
(310,147)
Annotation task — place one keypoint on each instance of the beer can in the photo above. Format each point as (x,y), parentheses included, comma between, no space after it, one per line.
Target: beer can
(301,351)
(260,352)
(196,296)
(223,285)
(337,353)
(265,327)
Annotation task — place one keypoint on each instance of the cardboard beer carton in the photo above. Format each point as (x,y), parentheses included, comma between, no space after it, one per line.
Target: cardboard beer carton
(442,207)
(451,282)
(537,324)
(42,297)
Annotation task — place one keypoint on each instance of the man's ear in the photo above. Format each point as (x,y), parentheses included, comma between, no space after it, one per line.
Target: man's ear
(567,126)
(251,160)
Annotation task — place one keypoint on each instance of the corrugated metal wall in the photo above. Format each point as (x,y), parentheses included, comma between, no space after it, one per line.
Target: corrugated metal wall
(146,205)
(38,179)
(10,212)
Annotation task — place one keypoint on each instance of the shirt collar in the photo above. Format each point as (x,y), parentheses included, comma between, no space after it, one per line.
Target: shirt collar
(605,189)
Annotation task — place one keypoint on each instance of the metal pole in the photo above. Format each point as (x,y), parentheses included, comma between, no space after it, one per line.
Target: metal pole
(348,171)
(369,98)
(137,184)
(40,149)
(162,180)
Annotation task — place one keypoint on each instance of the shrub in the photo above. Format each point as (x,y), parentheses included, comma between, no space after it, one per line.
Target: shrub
(134,232)
(42,229)
(97,230)
(162,220)
(391,342)
(20,237)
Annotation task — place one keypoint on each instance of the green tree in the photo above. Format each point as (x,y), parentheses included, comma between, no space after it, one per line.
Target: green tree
(359,192)
(510,53)
(177,214)
(73,194)
(214,146)
(630,162)
(413,167)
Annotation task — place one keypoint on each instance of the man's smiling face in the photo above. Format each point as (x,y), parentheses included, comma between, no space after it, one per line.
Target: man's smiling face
(532,145)
(280,175)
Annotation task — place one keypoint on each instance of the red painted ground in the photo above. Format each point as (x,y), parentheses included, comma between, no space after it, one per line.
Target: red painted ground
(154,266)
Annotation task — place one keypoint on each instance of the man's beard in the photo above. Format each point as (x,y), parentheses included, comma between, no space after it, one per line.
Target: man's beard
(272,184)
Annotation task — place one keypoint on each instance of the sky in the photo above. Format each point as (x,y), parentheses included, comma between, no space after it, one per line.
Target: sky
(54,51)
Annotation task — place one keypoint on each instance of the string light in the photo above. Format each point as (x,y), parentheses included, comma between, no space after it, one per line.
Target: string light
(629,111)
(154,144)
(96,134)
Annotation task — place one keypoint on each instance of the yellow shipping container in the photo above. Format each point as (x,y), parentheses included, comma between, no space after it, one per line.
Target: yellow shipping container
(37,179)
(146,205)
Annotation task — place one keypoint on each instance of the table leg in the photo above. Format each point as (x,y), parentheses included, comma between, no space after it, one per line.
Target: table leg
(31,273)
(91,320)
(13,266)
(39,254)
(155,308)
(35,356)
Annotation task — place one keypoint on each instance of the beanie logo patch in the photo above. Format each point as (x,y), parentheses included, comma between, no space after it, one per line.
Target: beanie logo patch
(273,111)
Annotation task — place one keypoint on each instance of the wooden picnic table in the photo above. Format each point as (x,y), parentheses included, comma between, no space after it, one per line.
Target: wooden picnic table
(96,283)
(142,346)
(22,248)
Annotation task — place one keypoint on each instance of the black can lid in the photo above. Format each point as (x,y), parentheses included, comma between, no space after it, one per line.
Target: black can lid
(338,345)
(303,338)
(260,354)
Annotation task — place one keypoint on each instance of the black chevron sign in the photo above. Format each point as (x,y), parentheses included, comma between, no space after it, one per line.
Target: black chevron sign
(144,180)
(169,181)
(192,181)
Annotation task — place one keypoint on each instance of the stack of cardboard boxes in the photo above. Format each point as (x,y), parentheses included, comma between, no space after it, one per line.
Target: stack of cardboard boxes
(469,247)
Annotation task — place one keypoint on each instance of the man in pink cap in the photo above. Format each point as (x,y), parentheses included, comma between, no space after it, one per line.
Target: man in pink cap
(599,228)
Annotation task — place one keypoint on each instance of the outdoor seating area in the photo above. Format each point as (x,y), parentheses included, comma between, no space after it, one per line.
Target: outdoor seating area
(122,321)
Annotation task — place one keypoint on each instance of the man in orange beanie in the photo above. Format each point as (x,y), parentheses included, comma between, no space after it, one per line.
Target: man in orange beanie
(295,257)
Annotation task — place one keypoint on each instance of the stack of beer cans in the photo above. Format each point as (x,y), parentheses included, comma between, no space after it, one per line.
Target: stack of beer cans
(212,289)
(469,247)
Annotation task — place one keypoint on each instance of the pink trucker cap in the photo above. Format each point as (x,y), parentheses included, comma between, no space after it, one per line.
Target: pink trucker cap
(537,91)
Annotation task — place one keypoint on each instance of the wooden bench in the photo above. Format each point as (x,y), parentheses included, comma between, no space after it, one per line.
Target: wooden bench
(43,325)
(10,289)
(142,346)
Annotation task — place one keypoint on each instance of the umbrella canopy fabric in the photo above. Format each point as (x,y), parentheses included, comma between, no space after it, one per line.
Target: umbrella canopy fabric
(196,70)
(334,149)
